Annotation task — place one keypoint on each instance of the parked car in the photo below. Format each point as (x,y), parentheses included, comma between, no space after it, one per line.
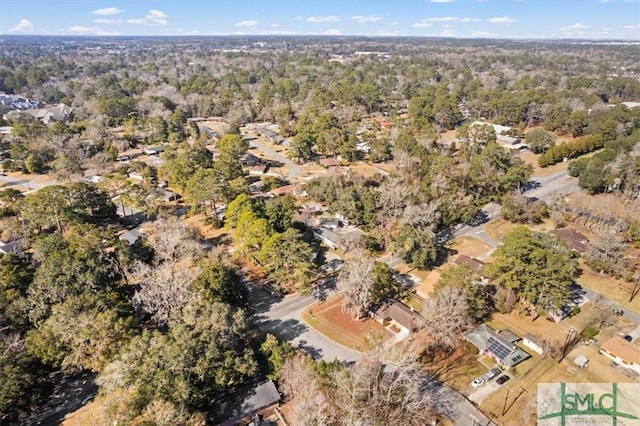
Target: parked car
(491,373)
(503,379)
(628,338)
(477,382)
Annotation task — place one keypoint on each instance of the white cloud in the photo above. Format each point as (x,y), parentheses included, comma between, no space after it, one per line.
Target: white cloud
(246,24)
(388,33)
(317,19)
(366,19)
(79,29)
(502,20)
(632,27)
(155,17)
(107,11)
(572,27)
(24,26)
(443,19)
(427,21)
(274,25)
(332,31)
(482,34)
(107,21)
(447,33)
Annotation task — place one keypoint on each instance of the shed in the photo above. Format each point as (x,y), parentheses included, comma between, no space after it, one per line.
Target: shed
(533,343)
(581,361)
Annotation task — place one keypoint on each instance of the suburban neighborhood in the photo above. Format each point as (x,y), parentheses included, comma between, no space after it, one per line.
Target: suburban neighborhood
(292,231)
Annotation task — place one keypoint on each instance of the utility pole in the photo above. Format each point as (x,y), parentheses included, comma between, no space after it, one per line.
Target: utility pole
(506,397)
(571,334)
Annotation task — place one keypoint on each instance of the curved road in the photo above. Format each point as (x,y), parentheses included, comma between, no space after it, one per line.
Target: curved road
(282,317)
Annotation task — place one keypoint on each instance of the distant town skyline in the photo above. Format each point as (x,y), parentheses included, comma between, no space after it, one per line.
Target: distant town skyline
(514,19)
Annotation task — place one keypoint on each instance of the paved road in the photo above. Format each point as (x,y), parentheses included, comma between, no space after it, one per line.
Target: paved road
(294,170)
(27,181)
(631,316)
(282,318)
(548,187)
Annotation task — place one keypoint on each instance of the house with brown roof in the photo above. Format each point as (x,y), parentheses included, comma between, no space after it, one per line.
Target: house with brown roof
(623,353)
(573,238)
(329,162)
(397,314)
(477,266)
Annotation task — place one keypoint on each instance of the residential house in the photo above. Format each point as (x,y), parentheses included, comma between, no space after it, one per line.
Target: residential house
(623,353)
(397,314)
(169,195)
(477,266)
(270,134)
(327,236)
(258,170)
(334,237)
(509,140)
(329,162)
(573,238)
(499,129)
(130,236)
(152,150)
(287,189)
(260,399)
(500,345)
(12,247)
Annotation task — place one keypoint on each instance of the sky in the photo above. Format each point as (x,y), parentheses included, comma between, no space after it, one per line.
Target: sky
(514,19)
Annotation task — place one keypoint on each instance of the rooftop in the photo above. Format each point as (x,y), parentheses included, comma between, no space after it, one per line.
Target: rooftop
(624,350)
(500,344)
(400,313)
(573,238)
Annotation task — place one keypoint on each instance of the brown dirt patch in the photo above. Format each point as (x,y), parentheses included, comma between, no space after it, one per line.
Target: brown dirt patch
(196,222)
(469,246)
(427,283)
(328,319)
(500,227)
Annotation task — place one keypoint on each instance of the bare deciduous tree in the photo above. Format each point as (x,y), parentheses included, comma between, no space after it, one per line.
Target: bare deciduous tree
(164,285)
(385,387)
(356,282)
(310,406)
(447,316)
(422,215)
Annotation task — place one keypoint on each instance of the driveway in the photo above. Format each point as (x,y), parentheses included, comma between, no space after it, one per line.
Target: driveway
(486,389)
(294,170)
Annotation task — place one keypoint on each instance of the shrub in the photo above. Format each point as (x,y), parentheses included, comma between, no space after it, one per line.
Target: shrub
(576,148)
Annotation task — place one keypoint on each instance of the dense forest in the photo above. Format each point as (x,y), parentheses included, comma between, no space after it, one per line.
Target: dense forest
(164,324)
